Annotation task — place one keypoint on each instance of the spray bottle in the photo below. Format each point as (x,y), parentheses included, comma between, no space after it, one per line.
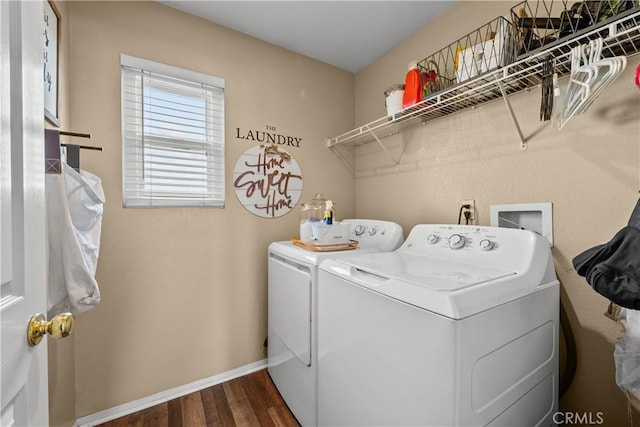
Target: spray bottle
(328,213)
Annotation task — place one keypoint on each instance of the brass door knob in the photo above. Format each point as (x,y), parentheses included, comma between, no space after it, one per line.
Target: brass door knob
(58,327)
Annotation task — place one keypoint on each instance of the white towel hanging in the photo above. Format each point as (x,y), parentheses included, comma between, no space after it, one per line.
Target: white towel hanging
(74,221)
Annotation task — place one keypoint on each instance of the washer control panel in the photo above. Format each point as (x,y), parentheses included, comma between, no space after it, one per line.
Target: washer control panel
(502,248)
(454,237)
(472,244)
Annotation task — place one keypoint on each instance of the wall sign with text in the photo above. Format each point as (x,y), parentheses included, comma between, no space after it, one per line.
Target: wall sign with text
(267,181)
(268,136)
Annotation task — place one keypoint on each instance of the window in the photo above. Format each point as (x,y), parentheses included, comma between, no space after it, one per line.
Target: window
(172,136)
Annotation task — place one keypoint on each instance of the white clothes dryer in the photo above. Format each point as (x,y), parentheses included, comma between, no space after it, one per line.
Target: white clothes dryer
(458,327)
(292,351)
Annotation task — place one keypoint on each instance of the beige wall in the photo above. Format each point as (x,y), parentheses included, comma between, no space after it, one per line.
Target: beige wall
(589,171)
(184,290)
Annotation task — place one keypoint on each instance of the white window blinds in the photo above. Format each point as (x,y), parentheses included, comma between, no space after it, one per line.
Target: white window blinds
(172,136)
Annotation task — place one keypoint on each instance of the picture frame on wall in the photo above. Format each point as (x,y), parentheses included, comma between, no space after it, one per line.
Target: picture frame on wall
(50,51)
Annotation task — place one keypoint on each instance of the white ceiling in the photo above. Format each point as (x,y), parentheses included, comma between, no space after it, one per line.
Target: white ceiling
(347,34)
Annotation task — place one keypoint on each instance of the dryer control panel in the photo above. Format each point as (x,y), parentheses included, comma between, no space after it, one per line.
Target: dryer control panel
(371,233)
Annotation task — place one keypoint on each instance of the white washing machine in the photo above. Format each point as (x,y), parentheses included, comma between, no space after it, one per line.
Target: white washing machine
(458,327)
(292,353)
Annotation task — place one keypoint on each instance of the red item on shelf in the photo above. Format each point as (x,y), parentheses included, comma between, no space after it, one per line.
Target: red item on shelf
(412,86)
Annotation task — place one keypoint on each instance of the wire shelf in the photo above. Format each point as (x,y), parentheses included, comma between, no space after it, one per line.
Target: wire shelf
(543,23)
(621,37)
(484,49)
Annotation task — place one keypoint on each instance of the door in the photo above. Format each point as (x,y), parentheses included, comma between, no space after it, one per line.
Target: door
(290,332)
(23,371)
(289,309)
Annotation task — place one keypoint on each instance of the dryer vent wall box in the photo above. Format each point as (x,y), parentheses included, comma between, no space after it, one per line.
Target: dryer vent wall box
(536,217)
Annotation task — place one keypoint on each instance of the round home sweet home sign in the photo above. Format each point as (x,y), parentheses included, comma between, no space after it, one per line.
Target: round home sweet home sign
(267,181)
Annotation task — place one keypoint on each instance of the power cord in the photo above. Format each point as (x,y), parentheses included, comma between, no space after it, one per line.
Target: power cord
(467,214)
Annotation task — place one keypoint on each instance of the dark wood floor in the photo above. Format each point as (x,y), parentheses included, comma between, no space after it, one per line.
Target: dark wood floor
(251,400)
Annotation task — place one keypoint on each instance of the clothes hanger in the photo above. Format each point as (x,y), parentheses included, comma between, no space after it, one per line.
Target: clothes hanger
(608,71)
(590,75)
(578,89)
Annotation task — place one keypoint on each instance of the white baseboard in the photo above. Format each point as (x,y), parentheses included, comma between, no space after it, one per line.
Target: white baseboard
(164,396)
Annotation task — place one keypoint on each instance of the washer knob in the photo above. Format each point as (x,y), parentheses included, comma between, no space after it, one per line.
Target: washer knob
(432,239)
(359,230)
(373,231)
(456,241)
(486,244)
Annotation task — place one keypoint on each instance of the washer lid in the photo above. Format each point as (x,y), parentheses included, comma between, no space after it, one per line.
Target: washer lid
(448,288)
(432,273)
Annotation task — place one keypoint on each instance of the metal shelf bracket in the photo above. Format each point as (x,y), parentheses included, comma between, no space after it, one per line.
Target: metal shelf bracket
(523,140)
(396,163)
(334,149)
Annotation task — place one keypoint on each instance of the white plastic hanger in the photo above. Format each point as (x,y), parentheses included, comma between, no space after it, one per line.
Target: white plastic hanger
(579,88)
(590,75)
(608,70)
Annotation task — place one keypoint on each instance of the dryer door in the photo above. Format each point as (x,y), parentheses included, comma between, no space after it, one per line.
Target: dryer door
(290,306)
